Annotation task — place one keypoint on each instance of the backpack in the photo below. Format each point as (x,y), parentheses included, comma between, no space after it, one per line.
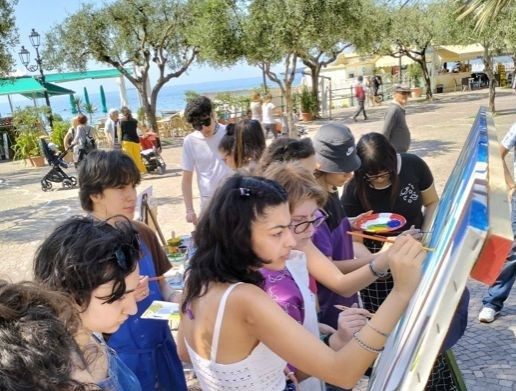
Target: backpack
(89,142)
(359,92)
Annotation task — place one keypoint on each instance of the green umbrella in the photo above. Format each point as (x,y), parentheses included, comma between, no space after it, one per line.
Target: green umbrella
(103,100)
(73,107)
(86,97)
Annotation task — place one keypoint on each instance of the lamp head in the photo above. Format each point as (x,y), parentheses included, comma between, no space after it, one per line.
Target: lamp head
(24,56)
(34,38)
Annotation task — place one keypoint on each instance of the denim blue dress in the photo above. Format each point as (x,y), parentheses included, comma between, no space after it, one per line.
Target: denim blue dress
(120,378)
(146,346)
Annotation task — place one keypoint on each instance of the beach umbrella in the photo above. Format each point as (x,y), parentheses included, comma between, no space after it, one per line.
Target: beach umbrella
(86,96)
(103,100)
(73,107)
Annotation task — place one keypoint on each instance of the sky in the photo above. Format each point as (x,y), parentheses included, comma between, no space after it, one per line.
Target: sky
(43,14)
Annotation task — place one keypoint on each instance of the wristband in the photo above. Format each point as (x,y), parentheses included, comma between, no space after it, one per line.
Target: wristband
(376,272)
(368,323)
(326,339)
(365,346)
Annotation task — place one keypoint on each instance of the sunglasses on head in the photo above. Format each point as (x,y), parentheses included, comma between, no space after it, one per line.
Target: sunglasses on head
(125,253)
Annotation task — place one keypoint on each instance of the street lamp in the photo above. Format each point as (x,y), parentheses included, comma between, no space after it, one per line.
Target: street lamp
(25,60)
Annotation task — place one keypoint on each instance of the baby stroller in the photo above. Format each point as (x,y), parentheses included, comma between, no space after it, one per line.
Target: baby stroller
(151,149)
(56,174)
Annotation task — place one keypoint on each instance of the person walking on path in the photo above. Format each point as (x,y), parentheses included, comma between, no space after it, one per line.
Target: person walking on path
(256,107)
(111,129)
(201,154)
(269,113)
(360,94)
(395,127)
(500,290)
(130,138)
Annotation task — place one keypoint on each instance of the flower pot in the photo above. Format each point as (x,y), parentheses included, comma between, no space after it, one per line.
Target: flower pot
(307,117)
(37,161)
(416,92)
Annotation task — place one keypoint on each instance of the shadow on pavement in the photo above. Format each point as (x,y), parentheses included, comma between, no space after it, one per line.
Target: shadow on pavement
(26,224)
(169,200)
(427,148)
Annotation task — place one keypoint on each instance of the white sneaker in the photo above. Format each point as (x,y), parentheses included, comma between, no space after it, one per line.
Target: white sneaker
(487,315)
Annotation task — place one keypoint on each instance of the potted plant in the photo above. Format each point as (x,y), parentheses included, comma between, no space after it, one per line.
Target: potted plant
(415,73)
(308,104)
(28,128)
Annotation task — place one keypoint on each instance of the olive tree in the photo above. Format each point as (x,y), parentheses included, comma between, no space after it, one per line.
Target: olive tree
(8,35)
(328,29)
(134,34)
(271,35)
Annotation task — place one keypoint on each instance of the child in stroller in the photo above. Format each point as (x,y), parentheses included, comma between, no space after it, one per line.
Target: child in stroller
(56,174)
(151,149)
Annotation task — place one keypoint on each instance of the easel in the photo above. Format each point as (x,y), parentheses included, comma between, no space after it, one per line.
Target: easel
(147,212)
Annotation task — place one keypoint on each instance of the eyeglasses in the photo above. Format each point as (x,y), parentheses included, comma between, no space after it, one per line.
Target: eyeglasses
(301,227)
(383,175)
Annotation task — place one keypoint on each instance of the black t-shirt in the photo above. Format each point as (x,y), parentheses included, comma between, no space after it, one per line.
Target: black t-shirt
(128,127)
(414,177)
(335,211)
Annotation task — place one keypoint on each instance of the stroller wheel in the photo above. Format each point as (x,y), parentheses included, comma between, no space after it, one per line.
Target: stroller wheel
(161,170)
(74,180)
(45,186)
(67,183)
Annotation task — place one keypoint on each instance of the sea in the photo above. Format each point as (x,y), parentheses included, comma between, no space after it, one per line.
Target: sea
(170,98)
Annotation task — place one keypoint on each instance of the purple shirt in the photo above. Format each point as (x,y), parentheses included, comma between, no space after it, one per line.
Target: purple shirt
(332,239)
(281,287)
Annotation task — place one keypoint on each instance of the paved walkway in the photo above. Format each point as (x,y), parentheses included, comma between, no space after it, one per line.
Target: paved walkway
(487,352)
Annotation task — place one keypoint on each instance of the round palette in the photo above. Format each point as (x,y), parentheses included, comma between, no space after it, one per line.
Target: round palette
(380,222)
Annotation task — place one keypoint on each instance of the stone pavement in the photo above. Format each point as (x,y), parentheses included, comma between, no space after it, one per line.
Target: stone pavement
(487,352)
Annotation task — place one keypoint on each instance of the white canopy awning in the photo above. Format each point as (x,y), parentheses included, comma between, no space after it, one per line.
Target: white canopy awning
(459,52)
(389,61)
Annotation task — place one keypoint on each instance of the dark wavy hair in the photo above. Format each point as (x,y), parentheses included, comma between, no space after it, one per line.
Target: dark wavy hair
(285,149)
(82,253)
(36,339)
(198,112)
(377,154)
(223,234)
(244,140)
(102,170)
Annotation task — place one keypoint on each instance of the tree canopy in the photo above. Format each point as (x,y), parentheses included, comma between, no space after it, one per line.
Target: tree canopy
(8,35)
(138,34)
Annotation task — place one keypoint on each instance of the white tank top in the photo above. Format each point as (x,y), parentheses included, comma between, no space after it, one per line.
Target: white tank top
(262,370)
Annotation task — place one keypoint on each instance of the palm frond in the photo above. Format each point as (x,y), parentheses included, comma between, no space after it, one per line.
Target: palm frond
(484,11)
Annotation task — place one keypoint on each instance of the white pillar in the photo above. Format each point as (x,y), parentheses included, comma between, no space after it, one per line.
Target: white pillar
(121,89)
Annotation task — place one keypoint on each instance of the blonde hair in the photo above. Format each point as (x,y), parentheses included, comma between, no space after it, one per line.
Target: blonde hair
(255,97)
(299,183)
(74,122)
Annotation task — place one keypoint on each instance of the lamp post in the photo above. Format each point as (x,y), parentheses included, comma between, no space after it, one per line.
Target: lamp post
(25,60)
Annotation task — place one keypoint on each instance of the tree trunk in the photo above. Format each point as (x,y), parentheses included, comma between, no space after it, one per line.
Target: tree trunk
(426,77)
(314,73)
(488,69)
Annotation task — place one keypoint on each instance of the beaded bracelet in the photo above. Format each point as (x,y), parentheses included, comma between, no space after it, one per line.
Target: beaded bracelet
(386,335)
(365,346)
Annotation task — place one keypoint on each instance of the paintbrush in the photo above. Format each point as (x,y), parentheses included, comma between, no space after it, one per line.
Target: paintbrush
(380,239)
(341,307)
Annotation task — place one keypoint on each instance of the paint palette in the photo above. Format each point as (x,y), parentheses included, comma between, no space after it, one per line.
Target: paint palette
(380,222)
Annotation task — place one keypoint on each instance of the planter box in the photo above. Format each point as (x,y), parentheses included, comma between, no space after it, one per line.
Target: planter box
(37,161)
(306,117)
(416,92)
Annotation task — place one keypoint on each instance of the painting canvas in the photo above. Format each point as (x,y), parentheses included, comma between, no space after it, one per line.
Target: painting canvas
(471,226)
